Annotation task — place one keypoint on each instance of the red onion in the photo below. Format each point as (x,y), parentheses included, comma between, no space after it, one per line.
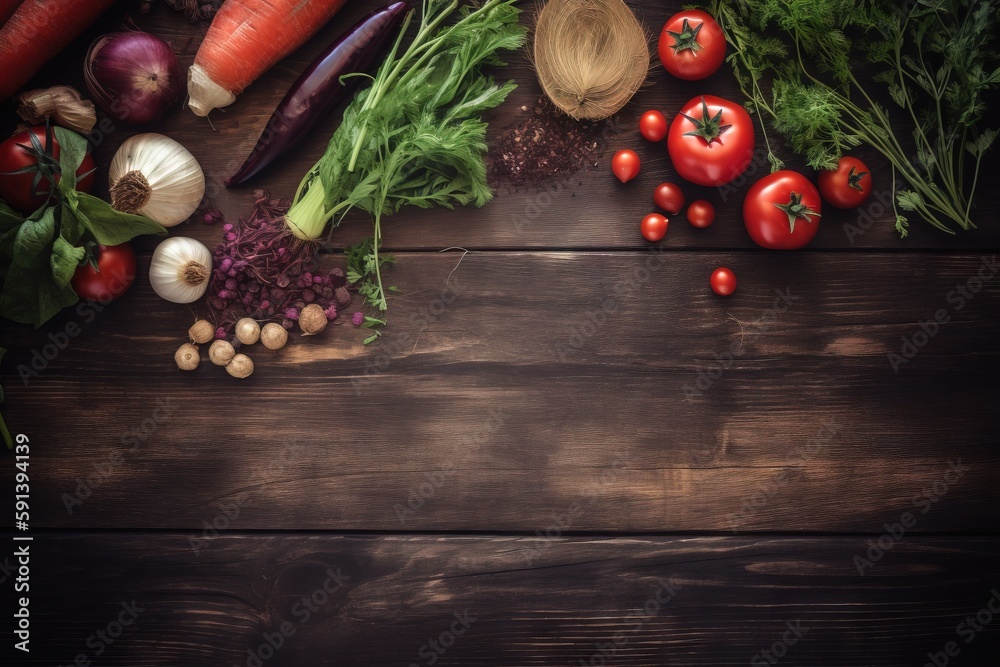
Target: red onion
(133,76)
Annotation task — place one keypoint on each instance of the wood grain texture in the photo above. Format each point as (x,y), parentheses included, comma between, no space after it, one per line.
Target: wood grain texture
(500,400)
(534,602)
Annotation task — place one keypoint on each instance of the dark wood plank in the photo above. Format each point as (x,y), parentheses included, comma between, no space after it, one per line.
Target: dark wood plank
(616,414)
(589,209)
(534,602)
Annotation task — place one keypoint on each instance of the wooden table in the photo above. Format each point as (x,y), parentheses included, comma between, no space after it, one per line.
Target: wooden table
(566,450)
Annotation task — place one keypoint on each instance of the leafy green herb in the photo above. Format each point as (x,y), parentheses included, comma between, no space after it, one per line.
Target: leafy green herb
(824,110)
(414,137)
(39,254)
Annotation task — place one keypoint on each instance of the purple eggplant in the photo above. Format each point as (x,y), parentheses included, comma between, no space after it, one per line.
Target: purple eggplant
(318,91)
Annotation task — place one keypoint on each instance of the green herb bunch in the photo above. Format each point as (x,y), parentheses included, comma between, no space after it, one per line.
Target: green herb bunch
(414,137)
(796,61)
(40,253)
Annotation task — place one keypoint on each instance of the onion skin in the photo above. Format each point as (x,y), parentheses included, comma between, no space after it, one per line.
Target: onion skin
(133,76)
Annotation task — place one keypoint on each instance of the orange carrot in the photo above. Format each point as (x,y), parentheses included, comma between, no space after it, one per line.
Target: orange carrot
(37,31)
(7,8)
(245,39)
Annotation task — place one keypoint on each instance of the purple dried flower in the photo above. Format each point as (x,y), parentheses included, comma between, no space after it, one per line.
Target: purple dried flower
(220,334)
(228,227)
(331,313)
(358,318)
(288,324)
(209,219)
(308,295)
(230,236)
(226,265)
(265,304)
(231,273)
(230,283)
(292,314)
(317,280)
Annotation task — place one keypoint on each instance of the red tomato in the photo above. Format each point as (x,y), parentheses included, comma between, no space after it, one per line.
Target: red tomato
(654,227)
(723,281)
(653,126)
(115,273)
(847,186)
(692,45)
(782,211)
(668,197)
(701,213)
(19,152)
(625,165)
(711,141)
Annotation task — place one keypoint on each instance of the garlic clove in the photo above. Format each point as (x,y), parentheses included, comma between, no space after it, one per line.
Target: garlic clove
(154,176)
(180,269)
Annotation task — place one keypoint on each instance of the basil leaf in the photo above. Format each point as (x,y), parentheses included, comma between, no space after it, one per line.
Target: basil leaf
(72,151)
(109,226)
(65,258)
(51,299)
(69,225)
(31,297)
(9,218)
(33,239)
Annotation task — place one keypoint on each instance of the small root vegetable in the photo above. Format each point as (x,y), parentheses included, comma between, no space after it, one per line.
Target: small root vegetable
(312,319)
(240,367)
(201,331)
(273,336)
(187,357)
(221,352)
(247,331)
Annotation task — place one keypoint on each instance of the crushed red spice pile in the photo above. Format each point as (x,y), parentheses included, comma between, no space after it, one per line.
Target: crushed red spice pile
(261,270)
(544,143)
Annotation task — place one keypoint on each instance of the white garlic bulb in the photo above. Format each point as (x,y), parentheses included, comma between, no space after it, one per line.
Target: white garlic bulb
(180,269)
(154,176)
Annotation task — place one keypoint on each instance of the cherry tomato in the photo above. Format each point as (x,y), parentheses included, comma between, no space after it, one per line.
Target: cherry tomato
(668,197)
(653,126)
(692,45)
(19,152)
(654,227)
(625,165)
(723,281)
(847,186)
(115,273)
(701,214)
(711,141)
(782,211)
